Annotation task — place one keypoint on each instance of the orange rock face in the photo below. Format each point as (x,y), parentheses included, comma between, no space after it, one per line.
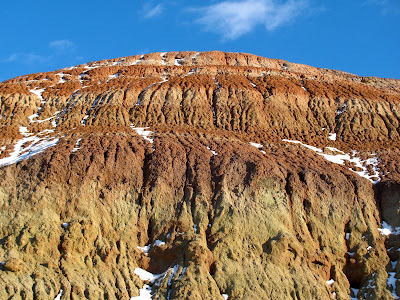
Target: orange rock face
(227,173)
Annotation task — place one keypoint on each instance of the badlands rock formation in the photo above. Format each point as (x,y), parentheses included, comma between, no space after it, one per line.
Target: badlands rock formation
(189,175)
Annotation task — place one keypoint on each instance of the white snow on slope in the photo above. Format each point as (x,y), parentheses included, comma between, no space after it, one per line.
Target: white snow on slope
(144,249)
(386,229)
(217,83)
(143,132)
(163,58)
(304,145)
(144,293)
(139,60)
(332,136)
(355,292)
(34,116)
(38,92)
(343,157)
(153,279)
(191,72)
(77,144)
(341,109)
(113,76)
(179,62)
(35,145)
(213,152)
(158,243)
(330,282)
(259,146)
(147,276)
(391,281)
(58,297)
(61,74)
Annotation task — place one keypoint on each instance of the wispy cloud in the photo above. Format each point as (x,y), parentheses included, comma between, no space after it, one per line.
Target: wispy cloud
(62,45)
(386,6)
(27,58)
(58,48)
(232,19)
(150,10)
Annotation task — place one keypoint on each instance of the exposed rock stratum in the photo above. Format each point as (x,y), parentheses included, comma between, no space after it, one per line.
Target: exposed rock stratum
(229,175)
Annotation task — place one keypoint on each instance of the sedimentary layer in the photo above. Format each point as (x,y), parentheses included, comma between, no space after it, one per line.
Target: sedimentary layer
(230,175)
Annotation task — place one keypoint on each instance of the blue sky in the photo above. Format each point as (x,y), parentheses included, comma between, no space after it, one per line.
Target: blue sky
(358,36)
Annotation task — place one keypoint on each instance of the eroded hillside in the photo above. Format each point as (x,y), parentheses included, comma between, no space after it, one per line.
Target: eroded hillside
(229,175)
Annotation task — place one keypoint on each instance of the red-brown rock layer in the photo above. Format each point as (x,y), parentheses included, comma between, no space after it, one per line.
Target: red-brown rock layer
(81,189)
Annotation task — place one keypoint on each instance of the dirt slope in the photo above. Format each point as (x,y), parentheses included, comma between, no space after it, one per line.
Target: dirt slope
(254,179)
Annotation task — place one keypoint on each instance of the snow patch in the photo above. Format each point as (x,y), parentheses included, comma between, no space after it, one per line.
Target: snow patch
(61,74)
(252,83)
(256,145)
(191,72)
(143,132)
(118,62)
(138,61)
(386,229)
(335,150)
(391,282)
(330,282)
(147,276)
(38,92)
(77,144)
(341,109)
(34,116)
(213,152)
(355,293)
(113,76)
(144,249)
(153,279)
(36,144)
(304,145)
(259,146)
(179,62)
(163,58)
(332,136)
(158,243)
(144,293)
(58,297)
(225,296)
(342,158)
(217,83)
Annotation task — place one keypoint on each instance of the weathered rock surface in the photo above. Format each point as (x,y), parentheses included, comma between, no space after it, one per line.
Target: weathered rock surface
(222,192)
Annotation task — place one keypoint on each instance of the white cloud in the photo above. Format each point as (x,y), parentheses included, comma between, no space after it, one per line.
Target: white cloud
(150,10)
(62,45)
(233,19)
(387,6)
(60,48)
(27,58)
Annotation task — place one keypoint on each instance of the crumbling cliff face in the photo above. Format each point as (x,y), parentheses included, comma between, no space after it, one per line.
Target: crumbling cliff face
(189,175)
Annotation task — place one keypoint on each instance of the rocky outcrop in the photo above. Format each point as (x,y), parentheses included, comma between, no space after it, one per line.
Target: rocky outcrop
(255,179)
